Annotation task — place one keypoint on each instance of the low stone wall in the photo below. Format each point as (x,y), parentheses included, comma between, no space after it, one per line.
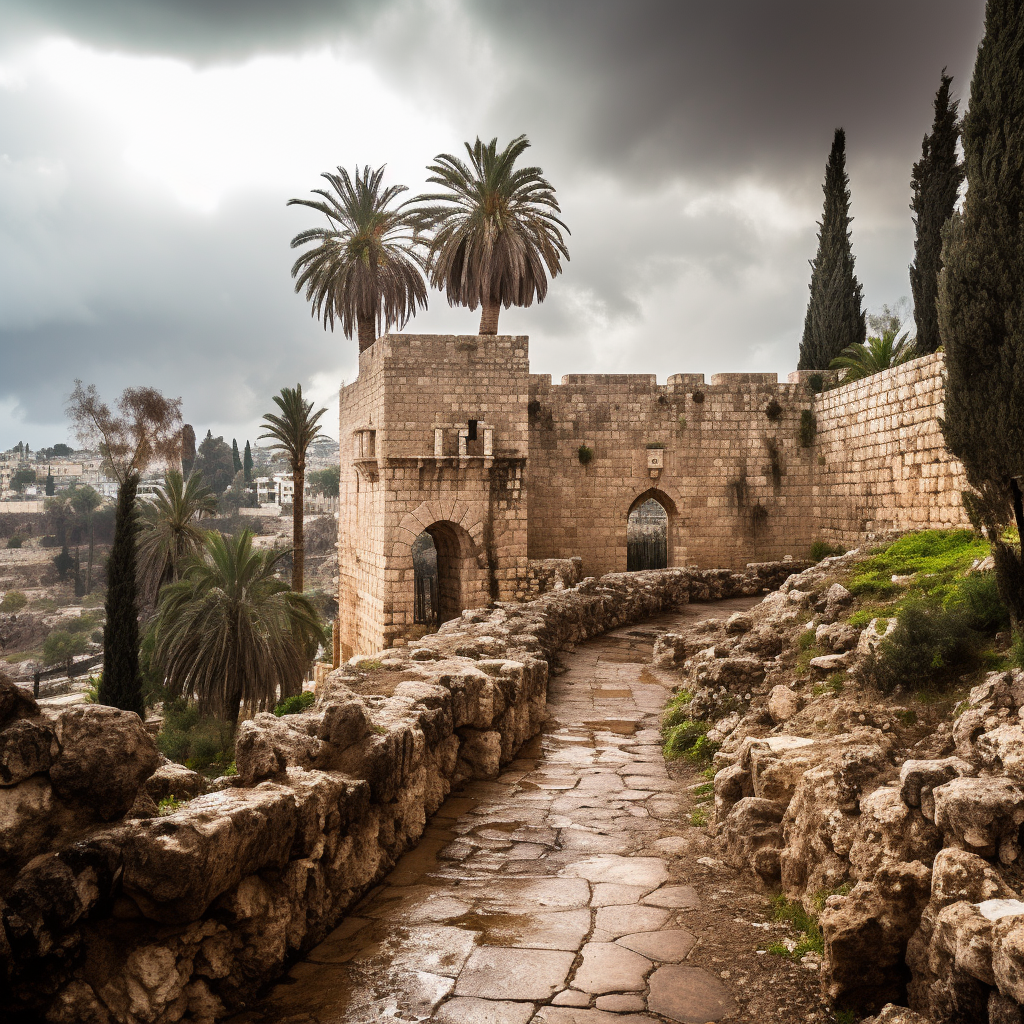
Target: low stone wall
(545,574)
(112,912)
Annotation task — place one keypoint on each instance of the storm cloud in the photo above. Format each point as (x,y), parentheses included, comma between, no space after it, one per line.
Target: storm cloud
(147,150)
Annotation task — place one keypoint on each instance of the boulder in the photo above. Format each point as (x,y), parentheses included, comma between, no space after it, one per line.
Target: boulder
(866,934)
(27,747)
(739,622)
(732,784)
(175,867)
(893,1014)
(891,833)
(1003,748)
(783,704)
(837,637)
(821,824)
(266,745)
(981,816)
(105,756)
(175,780)
(751,837)
(15,703)
(919,778)
(872,635)
(837,600)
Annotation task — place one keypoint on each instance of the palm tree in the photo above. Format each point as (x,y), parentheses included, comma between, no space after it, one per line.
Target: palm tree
(229,632)
(365,268)
(292,433)
(495,230)
(169,531)
(857,361)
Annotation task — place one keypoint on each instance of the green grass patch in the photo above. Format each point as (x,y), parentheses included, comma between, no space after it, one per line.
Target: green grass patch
(833,686)
(705,791)
(677,709)
(793,914)
(710,772)
(699,817)
(906,717)
(862,619)
(688,739)
(934,557)
(295,704)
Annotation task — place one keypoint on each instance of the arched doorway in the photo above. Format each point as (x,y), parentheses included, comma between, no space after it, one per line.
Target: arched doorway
(647,535)
(444,573)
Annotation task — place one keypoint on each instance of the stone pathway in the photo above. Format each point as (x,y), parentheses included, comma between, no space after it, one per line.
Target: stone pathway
(543,897)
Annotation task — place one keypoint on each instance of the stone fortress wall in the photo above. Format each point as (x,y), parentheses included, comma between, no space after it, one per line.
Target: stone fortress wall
(454,435)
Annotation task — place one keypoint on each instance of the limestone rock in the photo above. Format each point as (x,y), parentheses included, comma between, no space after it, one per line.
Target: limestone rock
(820,825)
(837,637)
(866,934)
(15,703)
(27,747)
(751,837)
(105,756)
(837,599)
(872,635)
(890,833)
(738,622)
(981,816)
(732,784)
(919,778)
(1003,748)
(175,780)
(783,704)
(893,1014)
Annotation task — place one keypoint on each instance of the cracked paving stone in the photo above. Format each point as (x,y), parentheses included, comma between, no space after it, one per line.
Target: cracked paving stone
(650,871)
(614,894)
(689,995)
(571,1015)
(609,967)
(617,1003)
(678,897)
(616,921)
(669,945)
(462,1010)
(494,972)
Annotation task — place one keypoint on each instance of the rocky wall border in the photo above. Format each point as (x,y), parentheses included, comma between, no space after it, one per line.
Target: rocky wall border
(130,916)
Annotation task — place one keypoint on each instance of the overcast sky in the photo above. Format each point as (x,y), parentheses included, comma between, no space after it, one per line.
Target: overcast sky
(147,151)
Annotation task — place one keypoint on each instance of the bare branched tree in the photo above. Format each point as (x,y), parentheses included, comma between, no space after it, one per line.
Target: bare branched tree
(146,428)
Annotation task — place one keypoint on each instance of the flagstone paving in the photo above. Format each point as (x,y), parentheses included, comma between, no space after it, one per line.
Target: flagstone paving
(544,896)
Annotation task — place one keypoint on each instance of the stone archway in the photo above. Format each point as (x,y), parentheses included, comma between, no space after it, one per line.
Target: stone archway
(648,532)
(446,552)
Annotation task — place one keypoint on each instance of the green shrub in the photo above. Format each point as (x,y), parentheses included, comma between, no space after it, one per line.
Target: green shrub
(1017,650)
(822,549)
(929,644)
(13,601)
(833,685)
(677,710)
(169,805)
(773,410)
(680,737)
(192,740)
(16,541)
(815,383)
(808,428)
(60,647)
(92,688)
(295,705)
(978,595)
(585,455)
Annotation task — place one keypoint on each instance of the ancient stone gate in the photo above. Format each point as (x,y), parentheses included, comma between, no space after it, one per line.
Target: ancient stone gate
(452,436)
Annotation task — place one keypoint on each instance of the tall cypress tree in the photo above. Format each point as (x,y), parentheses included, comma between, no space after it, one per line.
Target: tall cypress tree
(235,457)
(835,314)
(981,297)
(121,686)
(936,181)
(247,464)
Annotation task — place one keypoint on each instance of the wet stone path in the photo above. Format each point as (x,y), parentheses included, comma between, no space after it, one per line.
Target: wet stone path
(544,897)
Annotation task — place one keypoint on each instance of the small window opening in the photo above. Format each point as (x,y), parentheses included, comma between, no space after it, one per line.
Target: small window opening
(472,430)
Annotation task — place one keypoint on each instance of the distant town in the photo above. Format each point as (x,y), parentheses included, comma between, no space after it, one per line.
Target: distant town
(263,486)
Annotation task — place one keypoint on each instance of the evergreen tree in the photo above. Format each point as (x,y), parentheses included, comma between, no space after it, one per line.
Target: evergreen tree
(835,315)
(121,685)
(188,449)
(981,299)
(247,464)
(936,182)
(236,459)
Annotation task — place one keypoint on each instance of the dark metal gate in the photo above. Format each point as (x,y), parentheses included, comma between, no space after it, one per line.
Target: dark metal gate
(646,551)
(425,603)
(647,537)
